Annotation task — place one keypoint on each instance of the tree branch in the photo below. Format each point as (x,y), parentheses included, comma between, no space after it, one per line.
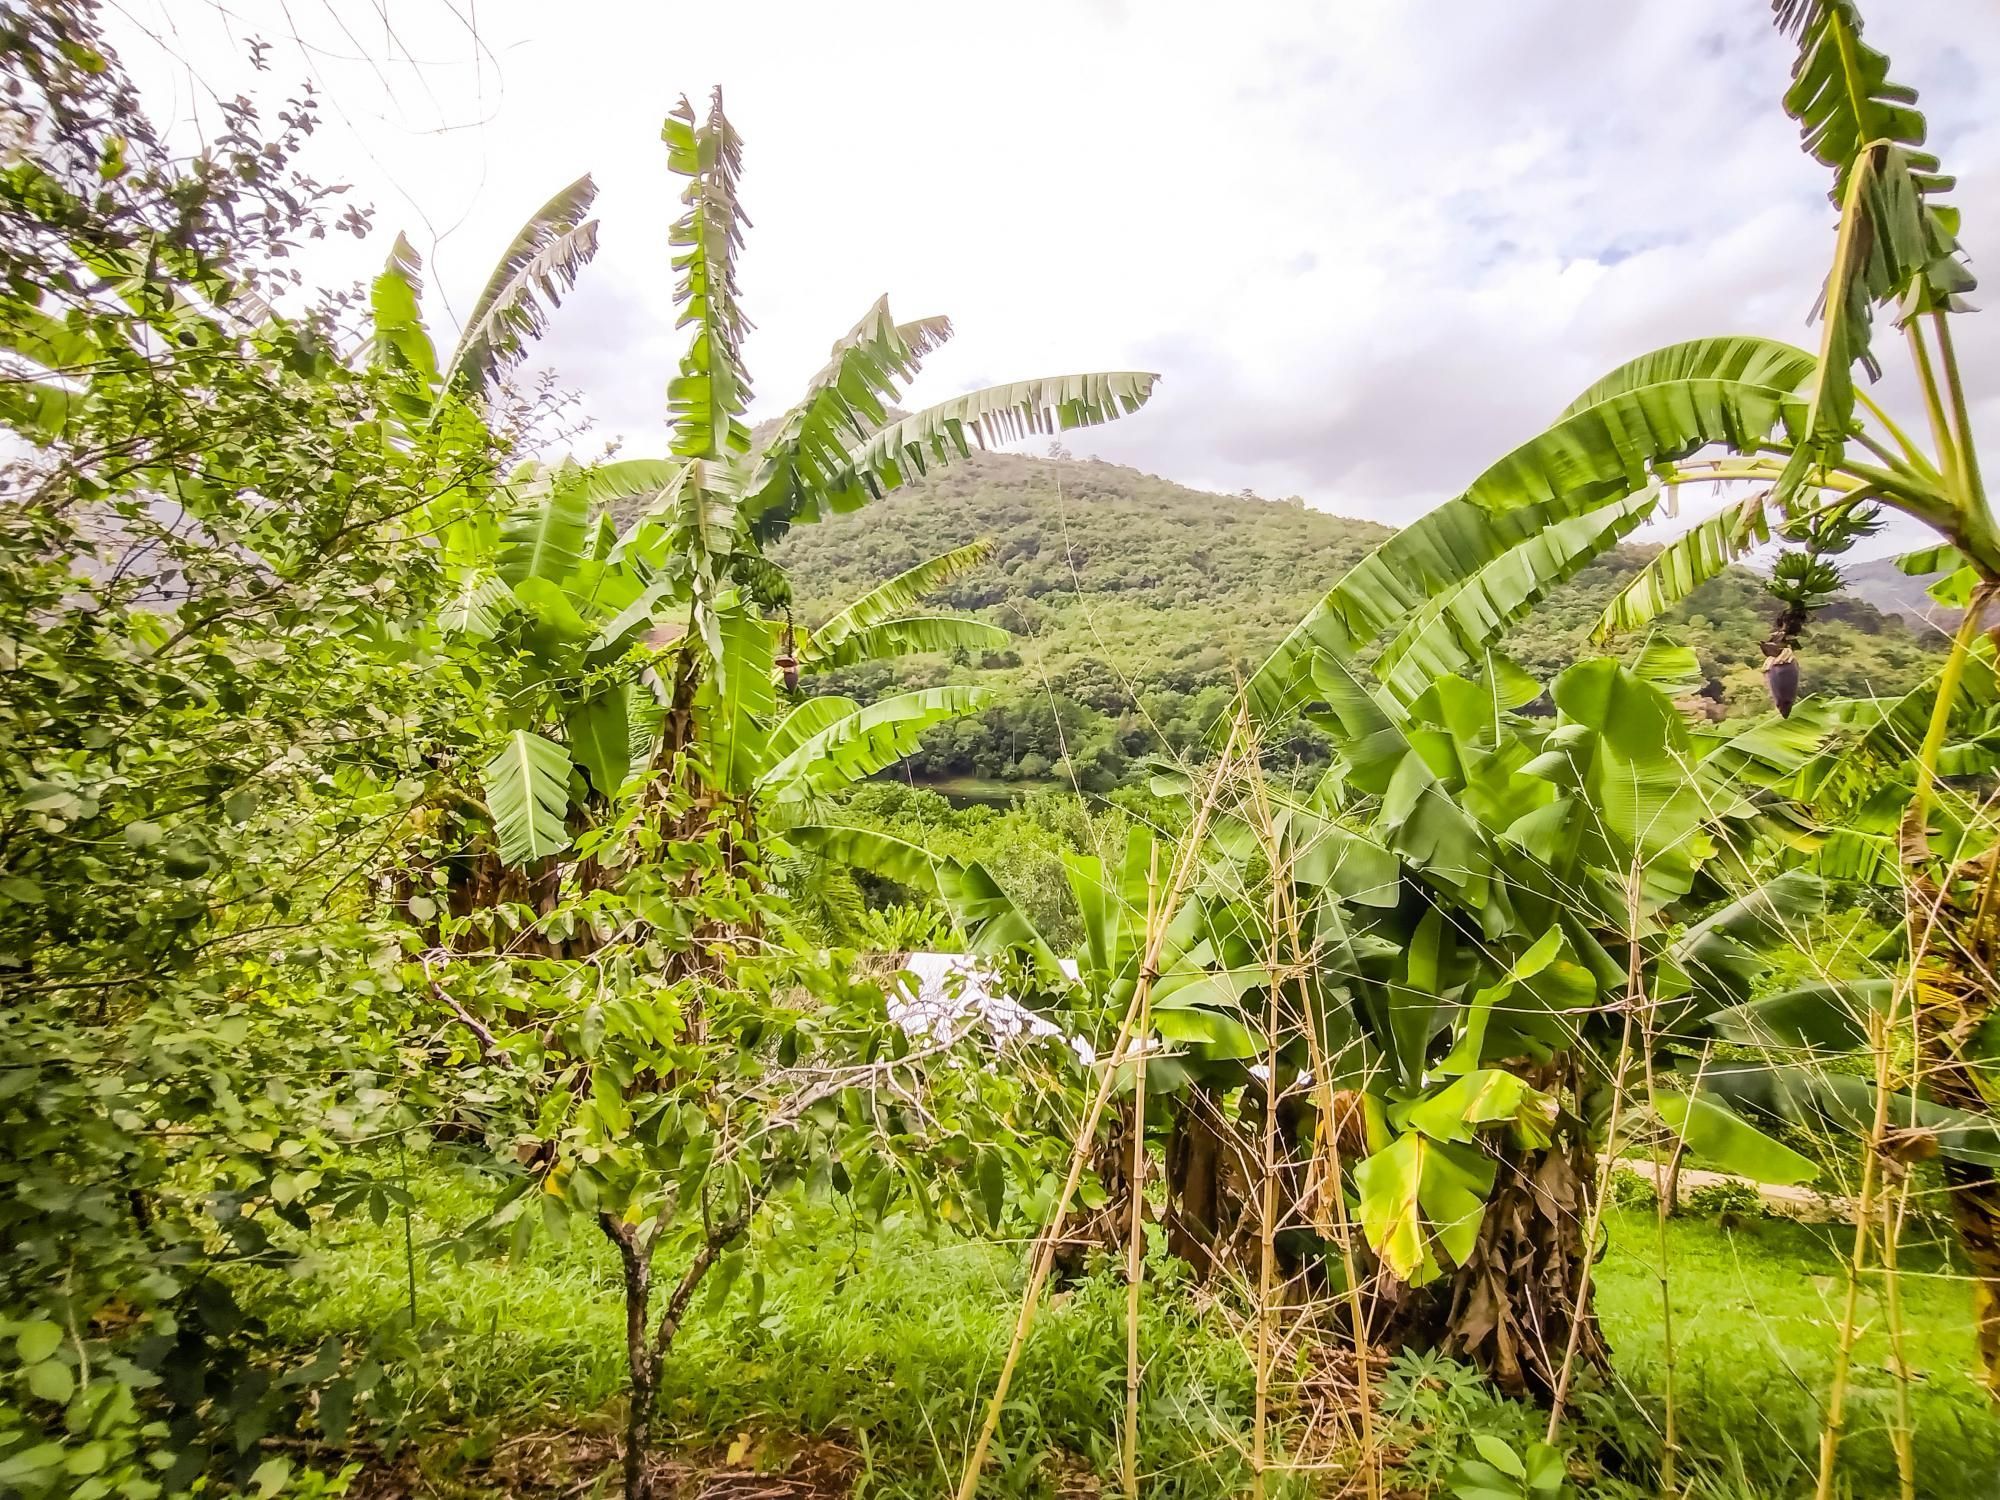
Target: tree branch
(489,1045)
(718,1239)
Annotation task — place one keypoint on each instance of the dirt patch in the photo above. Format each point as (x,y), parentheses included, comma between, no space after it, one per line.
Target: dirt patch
(558,1465)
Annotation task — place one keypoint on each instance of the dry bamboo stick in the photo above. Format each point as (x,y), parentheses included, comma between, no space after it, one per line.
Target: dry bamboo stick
(1135,1251)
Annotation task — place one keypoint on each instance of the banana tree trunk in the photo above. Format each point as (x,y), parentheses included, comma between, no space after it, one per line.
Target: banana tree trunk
(1108,1229)
(1953,1005)
(1210,1179)
(1510,1309)
(1196,1154)
(1954,1001)
(1975,1209)
(1213,1168)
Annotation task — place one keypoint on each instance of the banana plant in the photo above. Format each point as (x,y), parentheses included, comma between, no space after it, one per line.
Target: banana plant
(1200,1049)
(717,502)
(565,623)
(541,263)
(1548,863)
(1810,459)
(1809,455)
(669,635)
(1476,905)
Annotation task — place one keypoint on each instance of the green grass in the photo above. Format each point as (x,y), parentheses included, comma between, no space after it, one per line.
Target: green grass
(881,1345)
(1757,1312)
(879,1348)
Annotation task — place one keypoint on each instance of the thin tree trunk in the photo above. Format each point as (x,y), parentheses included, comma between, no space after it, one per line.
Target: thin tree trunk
(646,1357)
(636,1260)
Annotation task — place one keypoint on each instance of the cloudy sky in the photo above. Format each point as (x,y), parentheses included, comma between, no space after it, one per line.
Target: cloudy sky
(1369,245)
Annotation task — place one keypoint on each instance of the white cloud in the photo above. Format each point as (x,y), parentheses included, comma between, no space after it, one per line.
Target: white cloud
(1369,246)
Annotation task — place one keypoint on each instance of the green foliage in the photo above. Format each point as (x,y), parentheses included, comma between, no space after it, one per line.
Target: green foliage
(208,727)
(541,264)
(1634,1190)
(372,808)
(896,1328)
(1536,1472)
(1021,843)
(274,621)
(1715,1135)
(527,789)
(1611,445)
(1897,241)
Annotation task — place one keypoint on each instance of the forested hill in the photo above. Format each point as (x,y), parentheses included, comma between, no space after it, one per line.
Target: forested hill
(1139,603)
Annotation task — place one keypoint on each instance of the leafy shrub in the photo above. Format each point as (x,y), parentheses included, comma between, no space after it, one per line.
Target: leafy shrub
(1633,1190)
(1727,1202)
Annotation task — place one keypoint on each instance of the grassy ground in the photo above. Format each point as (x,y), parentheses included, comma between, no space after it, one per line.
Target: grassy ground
(868,1355)
(1757,1308)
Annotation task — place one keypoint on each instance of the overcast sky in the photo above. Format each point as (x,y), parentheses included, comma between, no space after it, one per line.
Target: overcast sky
(1369,245)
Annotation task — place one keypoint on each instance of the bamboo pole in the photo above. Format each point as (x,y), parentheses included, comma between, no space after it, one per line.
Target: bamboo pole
(1325,1176)
(1135,1251)
(1902,1435)
(1670,1444)
(1881,1025)
(1864,1215)
(1267,1206)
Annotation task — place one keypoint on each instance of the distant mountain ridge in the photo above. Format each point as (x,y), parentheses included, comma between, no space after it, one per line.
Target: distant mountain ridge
(1882,583)
(1141,603)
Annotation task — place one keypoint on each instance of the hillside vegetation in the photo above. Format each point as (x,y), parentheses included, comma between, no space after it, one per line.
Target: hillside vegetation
(1139,603)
